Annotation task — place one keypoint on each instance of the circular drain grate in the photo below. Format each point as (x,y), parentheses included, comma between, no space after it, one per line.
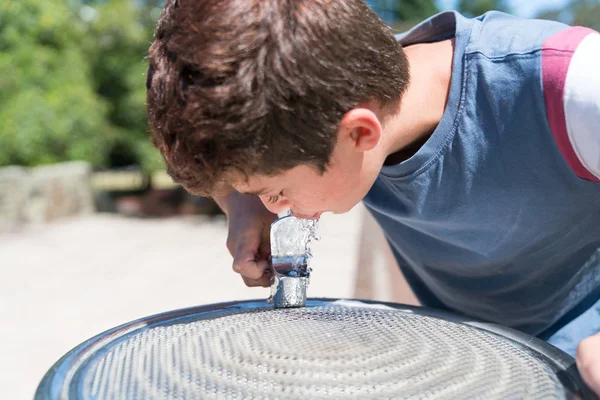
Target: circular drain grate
(325,350)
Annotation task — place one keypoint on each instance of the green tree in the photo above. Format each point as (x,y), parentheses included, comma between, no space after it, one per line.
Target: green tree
(472,8)
(48,110)
(72,82)
(403,14)
(413,10)
(578,12)
(120,35)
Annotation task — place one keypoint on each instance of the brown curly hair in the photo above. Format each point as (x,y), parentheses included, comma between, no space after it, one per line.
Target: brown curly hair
(260,86)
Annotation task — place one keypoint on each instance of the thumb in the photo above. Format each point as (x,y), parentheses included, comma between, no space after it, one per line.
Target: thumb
(265,250)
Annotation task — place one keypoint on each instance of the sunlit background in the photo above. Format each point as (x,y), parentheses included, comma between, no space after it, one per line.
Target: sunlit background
(93,233)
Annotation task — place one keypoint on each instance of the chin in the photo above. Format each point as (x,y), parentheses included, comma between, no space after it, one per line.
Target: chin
(308,216)
(345,209)
(339,212)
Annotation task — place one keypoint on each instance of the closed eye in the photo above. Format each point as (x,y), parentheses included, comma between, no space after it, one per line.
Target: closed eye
(275,198)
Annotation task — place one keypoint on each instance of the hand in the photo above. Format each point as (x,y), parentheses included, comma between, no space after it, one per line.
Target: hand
(588,362)
(248,238)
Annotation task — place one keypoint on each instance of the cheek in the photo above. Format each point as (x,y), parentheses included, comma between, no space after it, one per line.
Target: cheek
(312,198)
(345,193)
(330,194)
(310,201)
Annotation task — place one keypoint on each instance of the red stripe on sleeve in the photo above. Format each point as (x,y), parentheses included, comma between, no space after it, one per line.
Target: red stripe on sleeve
(557,52)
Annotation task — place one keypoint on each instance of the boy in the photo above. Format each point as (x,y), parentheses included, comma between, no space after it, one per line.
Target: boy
(473,142)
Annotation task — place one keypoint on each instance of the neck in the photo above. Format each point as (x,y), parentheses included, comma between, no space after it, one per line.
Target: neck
(423,103)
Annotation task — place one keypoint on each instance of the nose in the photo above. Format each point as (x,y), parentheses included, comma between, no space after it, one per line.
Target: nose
(277,206)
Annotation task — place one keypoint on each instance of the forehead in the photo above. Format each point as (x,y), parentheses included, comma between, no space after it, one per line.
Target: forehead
(264,183)
(256,184)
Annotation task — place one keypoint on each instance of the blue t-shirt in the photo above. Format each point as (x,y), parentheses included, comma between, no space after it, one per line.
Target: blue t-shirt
(493,217)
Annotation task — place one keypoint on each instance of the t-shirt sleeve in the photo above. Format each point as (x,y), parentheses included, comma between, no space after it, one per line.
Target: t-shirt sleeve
(571,83)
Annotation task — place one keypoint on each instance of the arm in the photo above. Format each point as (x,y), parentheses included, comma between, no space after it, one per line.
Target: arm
(570,64)
(249,224)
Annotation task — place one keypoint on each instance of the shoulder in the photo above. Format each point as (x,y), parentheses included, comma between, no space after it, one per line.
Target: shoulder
(498,35)
(571,85)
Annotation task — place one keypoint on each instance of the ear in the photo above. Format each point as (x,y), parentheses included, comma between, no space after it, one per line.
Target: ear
(362,128)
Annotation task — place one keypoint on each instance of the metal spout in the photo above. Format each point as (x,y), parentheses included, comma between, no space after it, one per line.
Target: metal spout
(289,292)
(290,274)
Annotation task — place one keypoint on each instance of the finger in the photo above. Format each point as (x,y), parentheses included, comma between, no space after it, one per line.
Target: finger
(247,263)
(265,250)
(264,281)
(230,244)
(588,361)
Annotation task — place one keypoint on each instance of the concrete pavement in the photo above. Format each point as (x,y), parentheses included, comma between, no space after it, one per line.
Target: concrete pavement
(66,282)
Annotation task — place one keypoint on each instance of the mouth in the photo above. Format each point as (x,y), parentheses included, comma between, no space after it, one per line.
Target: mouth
(306,216)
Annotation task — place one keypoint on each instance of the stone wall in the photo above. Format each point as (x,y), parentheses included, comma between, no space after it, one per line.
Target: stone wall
(43,194)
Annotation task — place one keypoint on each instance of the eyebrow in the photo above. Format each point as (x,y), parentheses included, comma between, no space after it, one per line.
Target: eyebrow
(256,192)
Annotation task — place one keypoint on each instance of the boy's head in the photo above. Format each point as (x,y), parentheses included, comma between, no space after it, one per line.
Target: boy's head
(239,89)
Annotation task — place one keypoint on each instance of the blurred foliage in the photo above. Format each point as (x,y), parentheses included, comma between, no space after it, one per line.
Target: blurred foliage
(48,109)
(72,82)
(402,15)
(394,11)
(578,12)
(473,8)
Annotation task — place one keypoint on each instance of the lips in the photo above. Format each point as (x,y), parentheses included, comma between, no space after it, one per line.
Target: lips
(306,216)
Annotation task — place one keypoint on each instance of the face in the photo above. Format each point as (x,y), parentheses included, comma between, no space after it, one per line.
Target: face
(354,165)
(305,192)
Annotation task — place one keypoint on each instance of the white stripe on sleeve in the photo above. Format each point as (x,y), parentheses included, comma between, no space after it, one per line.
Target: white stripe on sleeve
(582,103)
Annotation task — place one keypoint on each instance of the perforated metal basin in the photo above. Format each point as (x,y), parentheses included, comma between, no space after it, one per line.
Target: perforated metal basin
(330,349)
